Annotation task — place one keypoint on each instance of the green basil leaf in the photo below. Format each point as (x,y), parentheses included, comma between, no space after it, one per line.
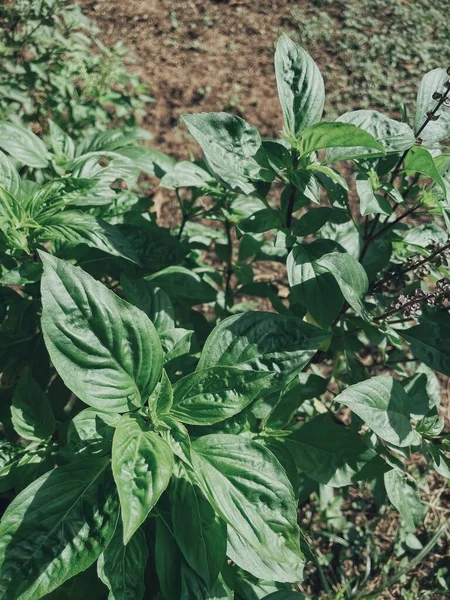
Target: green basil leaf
(151,299)
(168,561)
(350,277)
(428,342)
(121,568)
(309,386)
(31,413)
(370,202)
(328,452)
(300,87)
(250,490)
(229,147)
(199,532)
(314,286)
(393,135)
(161,400)
(183,284)
(260,221)
(9,177)
(105,350)
(439,130)
(142,464)
(211,395)
(73,227)
(186,174)
(23,145)
(402,492)
(383,405)
(259,565)
(316,218)
(419,160)
(263,341)
(285,595)
(57,527)
(91,431)
(337,135)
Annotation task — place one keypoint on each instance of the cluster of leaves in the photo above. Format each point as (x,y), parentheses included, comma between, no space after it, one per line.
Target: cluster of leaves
(53,66)
(150,450)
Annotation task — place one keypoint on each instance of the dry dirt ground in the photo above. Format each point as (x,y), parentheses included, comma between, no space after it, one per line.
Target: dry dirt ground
(200,55)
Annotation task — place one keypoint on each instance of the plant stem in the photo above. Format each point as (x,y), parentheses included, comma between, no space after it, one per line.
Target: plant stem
(392,311)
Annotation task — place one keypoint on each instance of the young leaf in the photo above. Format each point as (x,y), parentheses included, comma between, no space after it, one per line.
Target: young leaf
(327,452)
(211,395)
(249,489)
(161,400)
(370,202)
(262,341)
(419,160)
(199,532)
(57,527)
(337,135)
(403,495)
(383,405)
(121,568)
(300,87)
(31,413)
(229,147)
(105,350)
(439,130)
(142,464)
(23,145)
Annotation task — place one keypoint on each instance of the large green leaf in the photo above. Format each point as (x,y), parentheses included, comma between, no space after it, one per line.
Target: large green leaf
(121,568)
(199,532)
(31,413)
(151,299)
(327,452)
(337,135)
(316,218)
(91,431)
(402,492)
(142,464)
(105,350)
(420,160)
(439,130)
(263,341)
(259,565)
(9,177)
(300,87)
(393,135)
(250,490)
(350,277)
(74,227)
(183,285)
(23,145)
(428,342)
(214,394)
(57,527)
(229,147)
(383,405)
(314,286)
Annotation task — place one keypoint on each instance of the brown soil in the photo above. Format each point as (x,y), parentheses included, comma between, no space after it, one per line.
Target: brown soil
(200,55)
